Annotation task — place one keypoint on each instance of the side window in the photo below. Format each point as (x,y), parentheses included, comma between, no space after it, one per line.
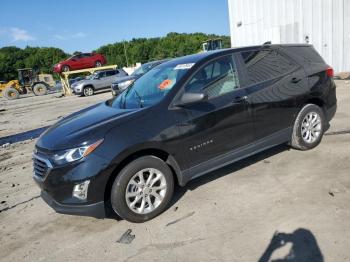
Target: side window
(216,78)
(264,65)
(110,73)
(102,74)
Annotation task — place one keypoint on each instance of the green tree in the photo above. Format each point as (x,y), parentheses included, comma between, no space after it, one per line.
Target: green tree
(137,50)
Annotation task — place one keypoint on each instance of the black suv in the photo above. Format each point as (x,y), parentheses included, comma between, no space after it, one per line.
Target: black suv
(182,119)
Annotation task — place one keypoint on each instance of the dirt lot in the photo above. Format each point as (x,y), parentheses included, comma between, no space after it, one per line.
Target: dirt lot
(229,215)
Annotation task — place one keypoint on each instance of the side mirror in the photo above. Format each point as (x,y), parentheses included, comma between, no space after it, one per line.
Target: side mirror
(97,77)
(191,98)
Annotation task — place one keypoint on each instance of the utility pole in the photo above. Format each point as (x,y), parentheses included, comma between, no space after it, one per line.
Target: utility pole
(126,56)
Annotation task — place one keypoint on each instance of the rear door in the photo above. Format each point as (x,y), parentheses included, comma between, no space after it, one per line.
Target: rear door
(220,124)
(275,82)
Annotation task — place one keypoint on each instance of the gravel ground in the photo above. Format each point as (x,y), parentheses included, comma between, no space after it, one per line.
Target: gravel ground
(228,215)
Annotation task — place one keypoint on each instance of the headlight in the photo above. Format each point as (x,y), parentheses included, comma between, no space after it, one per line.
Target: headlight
(77,85)
(74,154)
(125,84)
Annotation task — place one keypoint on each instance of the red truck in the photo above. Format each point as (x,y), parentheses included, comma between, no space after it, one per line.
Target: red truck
(80,61)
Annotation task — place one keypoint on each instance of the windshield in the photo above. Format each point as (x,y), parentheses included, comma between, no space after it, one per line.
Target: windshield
(151,87)
(91,77)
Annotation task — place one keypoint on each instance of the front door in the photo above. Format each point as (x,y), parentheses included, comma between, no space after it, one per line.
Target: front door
(220,124)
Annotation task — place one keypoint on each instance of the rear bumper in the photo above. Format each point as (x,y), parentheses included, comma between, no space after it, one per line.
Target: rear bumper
(330,112)
(96,210)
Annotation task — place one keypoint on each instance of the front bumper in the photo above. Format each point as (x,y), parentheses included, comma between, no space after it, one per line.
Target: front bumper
(77,91)
(57,69)
(57,184)
(94,210)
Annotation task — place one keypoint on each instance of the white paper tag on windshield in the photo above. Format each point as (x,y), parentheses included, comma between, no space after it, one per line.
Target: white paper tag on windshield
(183,66)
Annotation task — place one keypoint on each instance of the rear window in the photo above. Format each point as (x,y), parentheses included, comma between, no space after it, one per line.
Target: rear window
(305,54)
(263,65)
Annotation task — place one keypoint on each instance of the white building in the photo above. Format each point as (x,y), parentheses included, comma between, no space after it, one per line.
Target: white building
(322,23)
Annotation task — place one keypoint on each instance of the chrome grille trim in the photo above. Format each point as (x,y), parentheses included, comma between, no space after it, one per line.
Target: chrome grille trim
(41,166)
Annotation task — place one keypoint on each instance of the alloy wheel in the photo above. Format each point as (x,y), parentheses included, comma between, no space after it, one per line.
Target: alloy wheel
(88,91)
(311,127)
(146,191)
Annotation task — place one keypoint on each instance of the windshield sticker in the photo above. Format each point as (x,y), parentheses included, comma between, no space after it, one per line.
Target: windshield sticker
(165,84)
(183,66)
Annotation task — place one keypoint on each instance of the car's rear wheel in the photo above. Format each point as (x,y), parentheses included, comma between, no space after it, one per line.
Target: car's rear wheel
(308,127)
(65,68)
(142,190)
(98,64)
(88,91)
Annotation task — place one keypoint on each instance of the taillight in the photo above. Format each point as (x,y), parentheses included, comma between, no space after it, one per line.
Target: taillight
(330,72)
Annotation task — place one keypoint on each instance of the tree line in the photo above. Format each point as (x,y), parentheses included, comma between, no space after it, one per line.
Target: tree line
(120,53)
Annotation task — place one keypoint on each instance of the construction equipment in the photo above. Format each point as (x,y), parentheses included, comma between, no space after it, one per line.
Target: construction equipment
(10,89)
(64,76)
(28,81)
(212,44)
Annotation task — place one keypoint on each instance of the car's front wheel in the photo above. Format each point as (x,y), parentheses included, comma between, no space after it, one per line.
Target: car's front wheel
(98,64)
(65,68)
(88,91)
(308,128)
(143,189)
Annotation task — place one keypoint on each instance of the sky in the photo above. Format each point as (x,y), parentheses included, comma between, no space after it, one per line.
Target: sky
(78,25)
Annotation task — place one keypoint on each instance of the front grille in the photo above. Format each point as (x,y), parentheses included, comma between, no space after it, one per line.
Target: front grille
(42,166)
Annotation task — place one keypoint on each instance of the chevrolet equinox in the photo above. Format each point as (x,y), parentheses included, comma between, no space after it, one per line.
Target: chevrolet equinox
(182,119)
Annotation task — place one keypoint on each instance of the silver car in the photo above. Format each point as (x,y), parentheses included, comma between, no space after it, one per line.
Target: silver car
(98,81)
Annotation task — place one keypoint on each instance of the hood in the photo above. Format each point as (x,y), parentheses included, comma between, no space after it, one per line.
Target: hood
(124,78)
(86,125)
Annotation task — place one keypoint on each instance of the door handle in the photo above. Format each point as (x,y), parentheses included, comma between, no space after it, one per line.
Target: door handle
(295,80)
(240,99)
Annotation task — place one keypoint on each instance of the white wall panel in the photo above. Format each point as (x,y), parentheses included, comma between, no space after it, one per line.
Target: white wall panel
(326,23)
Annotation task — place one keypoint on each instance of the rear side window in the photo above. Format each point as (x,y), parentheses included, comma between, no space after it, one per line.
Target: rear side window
(263,65)
(305,54)
(216,78)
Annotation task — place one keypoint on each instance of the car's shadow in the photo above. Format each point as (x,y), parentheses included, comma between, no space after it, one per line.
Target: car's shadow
(227,170)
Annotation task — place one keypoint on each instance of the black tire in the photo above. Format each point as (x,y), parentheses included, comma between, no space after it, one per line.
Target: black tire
(98,63)
(118,193)
(40,89)
(11,93)
(65,68)
(88,91)
(298,140)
